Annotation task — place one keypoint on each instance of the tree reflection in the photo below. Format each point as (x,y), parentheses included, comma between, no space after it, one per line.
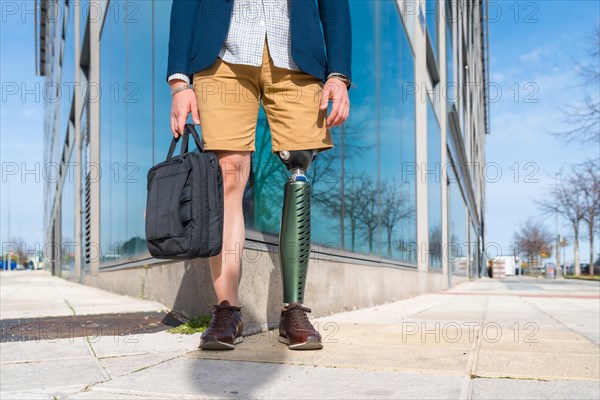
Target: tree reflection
(359,205)
(396,208)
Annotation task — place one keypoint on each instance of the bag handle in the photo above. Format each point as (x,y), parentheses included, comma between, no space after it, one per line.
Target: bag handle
(189,129)
(172,147)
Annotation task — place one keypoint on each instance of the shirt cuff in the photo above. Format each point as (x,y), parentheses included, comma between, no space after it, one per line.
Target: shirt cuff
(182,77)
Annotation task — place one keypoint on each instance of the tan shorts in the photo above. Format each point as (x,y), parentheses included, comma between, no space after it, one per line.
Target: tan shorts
(229,95)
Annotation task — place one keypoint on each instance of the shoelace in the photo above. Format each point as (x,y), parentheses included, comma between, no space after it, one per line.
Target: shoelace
(222,315)
(299,317)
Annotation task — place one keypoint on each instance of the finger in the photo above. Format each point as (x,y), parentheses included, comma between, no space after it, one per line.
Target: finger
(324,98)
(335,110)
(195,112)
(342,114)
(346,111)
(195,116)
(181,123)
(339,119)
(173,129)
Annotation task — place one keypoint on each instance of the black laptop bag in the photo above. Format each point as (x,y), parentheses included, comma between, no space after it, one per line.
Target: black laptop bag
(184,208)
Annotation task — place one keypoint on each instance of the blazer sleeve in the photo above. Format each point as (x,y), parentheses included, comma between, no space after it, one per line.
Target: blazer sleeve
(183,20)
(337,31)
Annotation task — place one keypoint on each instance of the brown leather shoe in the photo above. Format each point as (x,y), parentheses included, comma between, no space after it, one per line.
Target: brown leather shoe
(225,328)
(295,329)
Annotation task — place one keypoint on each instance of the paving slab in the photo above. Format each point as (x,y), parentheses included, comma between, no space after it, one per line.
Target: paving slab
(32,294)
(390,312)
(187,376)
(267,349)
(55,392)
(573,347)
(26,351)
(396,357)
(337,383)
(118,366)
(145,343)
(497,389)
(50,373)
(537,365)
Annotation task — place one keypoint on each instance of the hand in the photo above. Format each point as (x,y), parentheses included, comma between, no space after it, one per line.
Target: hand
(182,104)
(336,91)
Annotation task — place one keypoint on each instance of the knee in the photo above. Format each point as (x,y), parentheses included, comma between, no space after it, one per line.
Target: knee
(236,170)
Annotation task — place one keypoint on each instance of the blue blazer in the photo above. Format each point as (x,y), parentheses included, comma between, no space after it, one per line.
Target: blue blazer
(320,31)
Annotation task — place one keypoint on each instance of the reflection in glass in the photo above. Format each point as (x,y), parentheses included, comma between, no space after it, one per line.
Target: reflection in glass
(84,12)
(263,196)
(397,133)
(457,226)
(136,98)
(126,131)
(66,89)
(67,223)
(161,95)
(432,17)
(474,246)
(434,191)
(450,91)
(364,196)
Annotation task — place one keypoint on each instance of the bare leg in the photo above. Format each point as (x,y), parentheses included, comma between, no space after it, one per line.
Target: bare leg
(225,267)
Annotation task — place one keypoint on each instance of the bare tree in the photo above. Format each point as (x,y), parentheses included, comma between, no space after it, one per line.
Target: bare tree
(395,208)
(567,200)
(584,119)
(369,211)
(263,194)
(586,180)
(435,246)
(359,207)
(533,239)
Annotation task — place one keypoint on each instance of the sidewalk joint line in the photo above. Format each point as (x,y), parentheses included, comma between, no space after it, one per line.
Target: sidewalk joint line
(71,308)
(466,388)
(563,324)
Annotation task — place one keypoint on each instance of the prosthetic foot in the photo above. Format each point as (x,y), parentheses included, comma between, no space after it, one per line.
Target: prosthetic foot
(295,329)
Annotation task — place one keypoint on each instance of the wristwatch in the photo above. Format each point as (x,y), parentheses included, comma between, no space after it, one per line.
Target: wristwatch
(341,77)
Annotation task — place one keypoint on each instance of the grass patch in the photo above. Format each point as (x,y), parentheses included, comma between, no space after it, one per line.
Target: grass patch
(192,325)
(584,277)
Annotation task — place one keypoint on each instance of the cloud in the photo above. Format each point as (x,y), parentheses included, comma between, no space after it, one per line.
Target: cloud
(536,55)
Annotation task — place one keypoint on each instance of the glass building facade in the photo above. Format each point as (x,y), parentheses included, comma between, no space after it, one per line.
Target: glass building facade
(399,161)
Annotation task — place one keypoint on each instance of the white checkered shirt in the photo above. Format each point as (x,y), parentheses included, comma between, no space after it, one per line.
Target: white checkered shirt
(251,20)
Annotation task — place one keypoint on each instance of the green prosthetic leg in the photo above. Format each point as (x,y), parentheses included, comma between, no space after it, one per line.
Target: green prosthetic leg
(294,238)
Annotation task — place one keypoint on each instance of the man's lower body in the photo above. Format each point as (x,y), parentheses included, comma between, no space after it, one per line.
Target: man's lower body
(229,97)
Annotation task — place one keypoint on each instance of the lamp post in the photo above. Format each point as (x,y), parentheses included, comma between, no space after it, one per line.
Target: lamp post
(5,244)
(557,234)
(516,255)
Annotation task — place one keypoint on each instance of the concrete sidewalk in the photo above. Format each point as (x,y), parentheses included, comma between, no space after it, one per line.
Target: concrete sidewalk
(519,337)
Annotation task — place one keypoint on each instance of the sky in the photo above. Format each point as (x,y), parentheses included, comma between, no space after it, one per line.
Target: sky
(534,48)
(21,127)
(533,60)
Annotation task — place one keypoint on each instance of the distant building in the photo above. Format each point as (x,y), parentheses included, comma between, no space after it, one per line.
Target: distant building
(398,205)
(503,266)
